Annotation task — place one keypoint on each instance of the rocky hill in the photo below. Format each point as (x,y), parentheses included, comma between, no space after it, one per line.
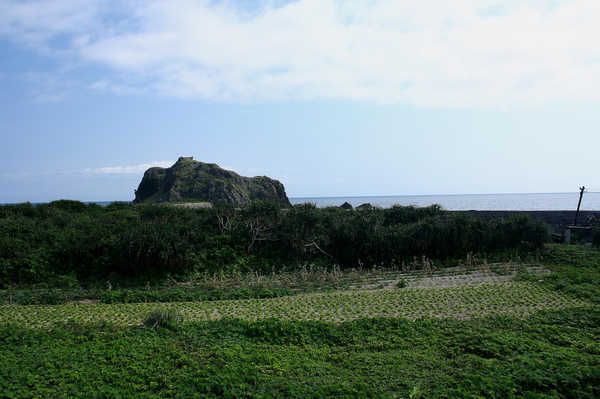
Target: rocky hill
(193,181)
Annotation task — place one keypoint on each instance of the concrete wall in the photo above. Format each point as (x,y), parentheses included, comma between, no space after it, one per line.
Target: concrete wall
(556,220)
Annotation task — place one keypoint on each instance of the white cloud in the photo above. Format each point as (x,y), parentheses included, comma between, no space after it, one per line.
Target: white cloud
(432,53)
(135,169)
(39,23)
(17,176)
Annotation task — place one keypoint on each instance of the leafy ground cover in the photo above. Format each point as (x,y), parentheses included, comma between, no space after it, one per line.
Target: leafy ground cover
(482,331)
(554,354)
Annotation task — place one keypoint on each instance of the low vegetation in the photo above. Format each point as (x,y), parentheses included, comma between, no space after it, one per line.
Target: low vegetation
(307,302)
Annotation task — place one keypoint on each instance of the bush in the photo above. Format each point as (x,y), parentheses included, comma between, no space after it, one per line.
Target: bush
(163,318)
(69,238)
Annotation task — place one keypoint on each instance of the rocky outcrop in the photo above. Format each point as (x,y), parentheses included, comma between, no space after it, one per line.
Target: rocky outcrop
(193,181)
(346,206)
(366,205)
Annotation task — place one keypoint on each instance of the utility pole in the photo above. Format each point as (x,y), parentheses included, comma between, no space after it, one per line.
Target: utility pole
(578,205)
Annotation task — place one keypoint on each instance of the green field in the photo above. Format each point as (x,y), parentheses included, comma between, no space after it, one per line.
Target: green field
(155,301)
(472,333)
(461,301)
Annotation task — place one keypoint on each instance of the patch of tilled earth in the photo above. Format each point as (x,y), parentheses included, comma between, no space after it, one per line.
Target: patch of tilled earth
(448,278)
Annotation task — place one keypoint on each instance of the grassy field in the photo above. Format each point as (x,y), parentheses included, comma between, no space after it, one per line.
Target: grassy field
(440,296)
(507,330)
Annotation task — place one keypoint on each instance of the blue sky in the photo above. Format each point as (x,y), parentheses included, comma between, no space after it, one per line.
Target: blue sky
(331,97)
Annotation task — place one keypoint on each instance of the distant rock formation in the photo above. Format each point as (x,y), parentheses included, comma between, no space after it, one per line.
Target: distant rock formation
(346,206)
(366,205)
(193,181)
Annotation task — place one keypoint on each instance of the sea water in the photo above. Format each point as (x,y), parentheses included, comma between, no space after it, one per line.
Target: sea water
(480,202)
(465,202)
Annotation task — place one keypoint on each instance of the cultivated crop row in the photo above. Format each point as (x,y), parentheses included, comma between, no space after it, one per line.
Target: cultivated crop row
(463,302)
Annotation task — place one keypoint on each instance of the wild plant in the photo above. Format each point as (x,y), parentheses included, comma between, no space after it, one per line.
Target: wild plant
(426,265)
(485,268)
(168,318)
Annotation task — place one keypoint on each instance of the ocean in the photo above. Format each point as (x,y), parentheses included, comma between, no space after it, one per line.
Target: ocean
(465,202)
(478,202)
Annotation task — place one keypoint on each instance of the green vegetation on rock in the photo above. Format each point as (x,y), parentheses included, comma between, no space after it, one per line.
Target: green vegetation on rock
(194,181)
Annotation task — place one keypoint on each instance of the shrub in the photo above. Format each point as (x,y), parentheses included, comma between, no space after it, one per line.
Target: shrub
(69,238)
(163,318)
